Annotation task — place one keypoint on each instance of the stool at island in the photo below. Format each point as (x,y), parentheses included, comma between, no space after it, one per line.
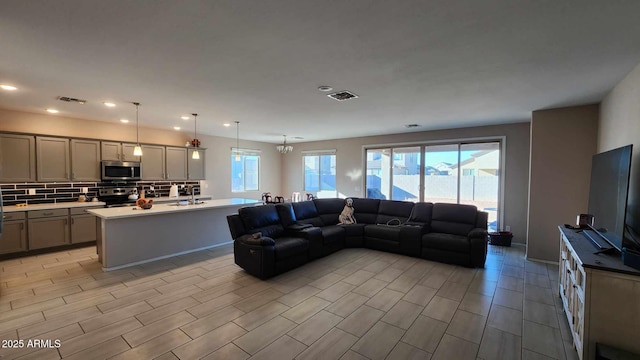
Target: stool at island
(600,296)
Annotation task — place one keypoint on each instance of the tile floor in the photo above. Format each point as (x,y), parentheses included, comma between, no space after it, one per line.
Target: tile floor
(355,304)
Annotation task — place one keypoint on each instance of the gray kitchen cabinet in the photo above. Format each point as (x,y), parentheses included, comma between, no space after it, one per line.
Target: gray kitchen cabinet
(176,163)
(14,233)
(85,160)
(48,228)
(52,159)
(153,162)
(84,226)
(17,158)
(196,168)
(116,151)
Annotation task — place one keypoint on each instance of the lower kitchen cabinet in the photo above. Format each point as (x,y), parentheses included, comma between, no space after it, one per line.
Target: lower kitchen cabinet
(14,233)
(48,228)
(84,227)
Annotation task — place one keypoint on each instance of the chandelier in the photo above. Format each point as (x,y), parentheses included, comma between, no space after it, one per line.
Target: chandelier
(284,148)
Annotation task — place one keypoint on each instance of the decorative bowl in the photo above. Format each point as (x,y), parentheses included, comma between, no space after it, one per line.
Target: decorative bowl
(146,206)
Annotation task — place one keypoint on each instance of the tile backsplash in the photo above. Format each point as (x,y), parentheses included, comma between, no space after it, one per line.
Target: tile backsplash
(47,193)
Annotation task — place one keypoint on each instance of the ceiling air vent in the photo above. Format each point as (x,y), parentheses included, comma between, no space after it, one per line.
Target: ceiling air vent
(343,95)
(409,126)
(70,99)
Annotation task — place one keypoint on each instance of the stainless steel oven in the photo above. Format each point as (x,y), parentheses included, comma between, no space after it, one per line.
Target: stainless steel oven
(121,170)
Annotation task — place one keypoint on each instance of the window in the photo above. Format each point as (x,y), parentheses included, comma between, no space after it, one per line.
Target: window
(320,174)
(431,172)
(245,171)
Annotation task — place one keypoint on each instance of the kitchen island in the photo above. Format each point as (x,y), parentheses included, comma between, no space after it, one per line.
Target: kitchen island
(130,236)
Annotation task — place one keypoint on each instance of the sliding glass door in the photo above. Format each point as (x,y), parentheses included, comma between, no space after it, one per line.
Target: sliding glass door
(458,173)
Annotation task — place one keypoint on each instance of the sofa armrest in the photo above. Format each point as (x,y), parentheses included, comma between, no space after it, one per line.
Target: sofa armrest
(478,247)
(477,233)
(256,240)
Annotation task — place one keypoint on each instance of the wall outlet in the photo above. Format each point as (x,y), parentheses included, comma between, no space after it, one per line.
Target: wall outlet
(151,187)
(85,190)
(32,191)
(507,228)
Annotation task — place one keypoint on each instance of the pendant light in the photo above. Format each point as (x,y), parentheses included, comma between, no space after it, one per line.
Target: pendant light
(237,141)
(137,150)
(284,148)
(195,155)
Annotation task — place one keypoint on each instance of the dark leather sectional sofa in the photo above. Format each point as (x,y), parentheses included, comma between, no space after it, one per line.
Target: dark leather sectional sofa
(271,239)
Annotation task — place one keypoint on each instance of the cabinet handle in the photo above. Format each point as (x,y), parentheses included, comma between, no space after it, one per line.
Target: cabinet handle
(72,221)
(65,222)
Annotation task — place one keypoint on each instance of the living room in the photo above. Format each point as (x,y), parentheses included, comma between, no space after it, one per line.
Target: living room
(551,108)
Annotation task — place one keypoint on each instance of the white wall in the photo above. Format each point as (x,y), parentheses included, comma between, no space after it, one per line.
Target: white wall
(350,164)
(619,126)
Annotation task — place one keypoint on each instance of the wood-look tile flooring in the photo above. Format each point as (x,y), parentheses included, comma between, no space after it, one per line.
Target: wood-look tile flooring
(354,304)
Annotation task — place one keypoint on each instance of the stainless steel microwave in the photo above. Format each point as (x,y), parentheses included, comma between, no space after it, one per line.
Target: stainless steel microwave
(121,170)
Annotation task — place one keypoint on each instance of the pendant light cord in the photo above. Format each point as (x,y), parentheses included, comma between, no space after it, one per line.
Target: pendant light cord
(195,128)
(137,127)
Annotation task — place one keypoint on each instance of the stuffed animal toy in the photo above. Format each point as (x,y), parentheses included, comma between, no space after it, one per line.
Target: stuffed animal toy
(346,216)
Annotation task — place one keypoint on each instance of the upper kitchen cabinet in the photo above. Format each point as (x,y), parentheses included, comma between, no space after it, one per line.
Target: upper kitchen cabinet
(196,169)
(52,159)
(17,158)
(176,163)
(85,160)
(116,151)
(153,162)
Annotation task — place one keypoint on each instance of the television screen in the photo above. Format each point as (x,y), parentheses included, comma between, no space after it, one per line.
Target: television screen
(608,193)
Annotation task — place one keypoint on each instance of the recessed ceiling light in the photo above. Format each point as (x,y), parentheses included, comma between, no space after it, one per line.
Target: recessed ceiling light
(124,121)
(325,88)
(226,124)
(109,104)
(184,117)
(52,111)
(176,128)
(8,87)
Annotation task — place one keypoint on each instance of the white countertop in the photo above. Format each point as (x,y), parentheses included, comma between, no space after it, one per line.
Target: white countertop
(64,205)
(130,211)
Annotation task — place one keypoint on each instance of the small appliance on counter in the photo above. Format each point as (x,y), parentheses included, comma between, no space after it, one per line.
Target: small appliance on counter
(173,191)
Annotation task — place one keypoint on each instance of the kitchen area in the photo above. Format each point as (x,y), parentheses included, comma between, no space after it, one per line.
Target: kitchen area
(61,192)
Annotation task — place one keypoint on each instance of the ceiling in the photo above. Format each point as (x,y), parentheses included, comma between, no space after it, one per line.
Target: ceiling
(436,63)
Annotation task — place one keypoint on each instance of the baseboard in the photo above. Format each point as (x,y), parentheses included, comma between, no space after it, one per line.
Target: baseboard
(542,261)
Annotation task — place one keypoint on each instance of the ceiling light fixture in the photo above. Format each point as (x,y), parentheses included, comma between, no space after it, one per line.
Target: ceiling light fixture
(226,124)
(53,111)
(137,150)
(110,104)
(184,117)
(237,150)
(325,88)
(8,87)
(176,128)
(284,148)
(195,142)
(124,121)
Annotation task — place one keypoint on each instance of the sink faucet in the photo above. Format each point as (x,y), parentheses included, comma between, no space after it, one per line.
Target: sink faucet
(191,192)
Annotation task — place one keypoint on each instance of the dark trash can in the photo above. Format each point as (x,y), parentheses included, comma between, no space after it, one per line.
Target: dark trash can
(502,238)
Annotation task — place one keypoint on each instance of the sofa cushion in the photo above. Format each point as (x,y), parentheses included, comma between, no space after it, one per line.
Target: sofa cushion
(385,232)
(365,210)
(332,233)
(448,242)
(263,219)
(352,230)
(394,210)
(329,209)
(306,213)
(287,216)
(453,218)
(290,246)
(421,213)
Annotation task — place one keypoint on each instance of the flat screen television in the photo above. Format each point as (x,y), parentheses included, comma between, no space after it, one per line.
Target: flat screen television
(608,192)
